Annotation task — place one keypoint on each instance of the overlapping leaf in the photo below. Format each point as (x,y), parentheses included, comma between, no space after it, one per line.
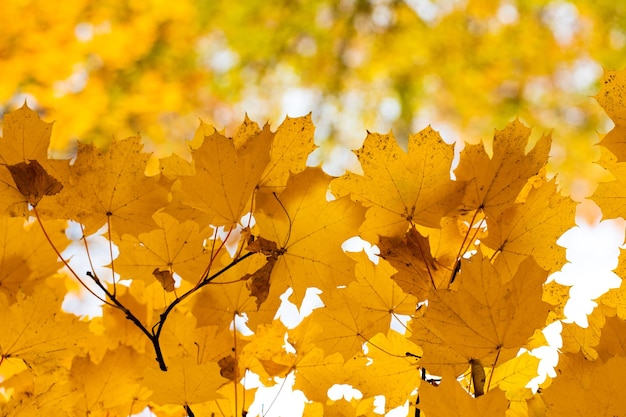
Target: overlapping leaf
(529,228)
(227,172)
(111,188)
(174,247)
(450,399)
(420,267)
(26,173)
(488,318)
(401,188)
(308,231)
(598,385)
(494,182)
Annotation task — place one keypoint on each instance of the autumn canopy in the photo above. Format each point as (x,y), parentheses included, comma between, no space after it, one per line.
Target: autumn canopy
(184,261)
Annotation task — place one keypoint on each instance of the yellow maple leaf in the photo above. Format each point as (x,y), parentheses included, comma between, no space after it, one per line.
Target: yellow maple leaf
(36,332)
(599,387)
(316,373)
(35,394)
(110,188)
(578,339)
(221,301)
(308,231)
(450,399)
(531,228)
(611,98)
(610,194)
(26,259)
(186,382)
(25,137)
(111,385)
(353,315)
(389,371)
(613,339)
(227,172)
(513,375)
(292,144)
(176,247)
(401,188)
(493,183)
(24,154)
(488,318)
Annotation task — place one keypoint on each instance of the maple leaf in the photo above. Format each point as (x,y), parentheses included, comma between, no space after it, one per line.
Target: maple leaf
(613,339)
(36,332)
(25,137)
(531,228)
(185,383)
(493,183)
(346,326)
(316,373)
(12,201)
(111,384)
(488,318)
(450,399)
(174,246)
(266,355)
(399,188)
(229,170)
(308,231)
(578,339)
(220,302)
(36,394)
(511,377)
(609,195)
(26,259)
(24,154)
(110,188)
(598,386)
(389,371)
(368,305)
(292,144)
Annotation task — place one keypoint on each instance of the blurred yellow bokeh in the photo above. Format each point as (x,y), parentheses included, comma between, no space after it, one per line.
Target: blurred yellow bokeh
(116,68)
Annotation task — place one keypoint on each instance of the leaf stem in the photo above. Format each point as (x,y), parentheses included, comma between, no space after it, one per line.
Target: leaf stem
(111,254)
(65,262)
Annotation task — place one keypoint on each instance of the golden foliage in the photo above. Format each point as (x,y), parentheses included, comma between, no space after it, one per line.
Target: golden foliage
(226,228)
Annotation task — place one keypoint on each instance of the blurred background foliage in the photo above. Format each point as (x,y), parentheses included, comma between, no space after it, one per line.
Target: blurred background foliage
(114,68)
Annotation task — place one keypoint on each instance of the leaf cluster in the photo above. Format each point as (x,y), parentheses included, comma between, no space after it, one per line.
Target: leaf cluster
(201,252)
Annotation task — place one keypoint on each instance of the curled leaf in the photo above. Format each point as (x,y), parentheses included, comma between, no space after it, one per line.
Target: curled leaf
(478,377)
(33,181)
(165,278)
(228,367)
(259,282)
